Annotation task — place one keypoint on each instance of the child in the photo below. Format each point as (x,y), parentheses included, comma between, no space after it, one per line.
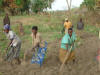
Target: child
(36,41)
(36,37)
(21,29)
(14,45)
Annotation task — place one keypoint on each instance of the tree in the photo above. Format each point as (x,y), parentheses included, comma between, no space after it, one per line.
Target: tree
(18,2)
(90,4)
(24,5)
(69,4)
(13,5)
(97,4)
(9,6)
(39,5)
(1,2)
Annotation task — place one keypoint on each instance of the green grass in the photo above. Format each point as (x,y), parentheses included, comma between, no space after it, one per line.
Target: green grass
(1,73)
(92,29)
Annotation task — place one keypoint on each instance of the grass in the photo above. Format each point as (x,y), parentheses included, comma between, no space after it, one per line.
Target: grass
(92,29)
(1,73)
(49,27)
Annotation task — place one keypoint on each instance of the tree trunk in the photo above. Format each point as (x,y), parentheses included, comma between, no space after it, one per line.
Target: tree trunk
(69,7)
(7,10)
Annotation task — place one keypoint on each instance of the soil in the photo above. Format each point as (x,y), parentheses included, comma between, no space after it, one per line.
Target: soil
(85,64)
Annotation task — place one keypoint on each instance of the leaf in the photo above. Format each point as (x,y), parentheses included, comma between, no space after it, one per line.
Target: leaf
(18,2)
(1,1)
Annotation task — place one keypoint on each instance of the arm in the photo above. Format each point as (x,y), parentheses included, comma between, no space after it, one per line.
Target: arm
(11,37)
(4,21)
(83,25)
(64,24)
(9,44)
(67,46)
(37,42)
(32,38)
(72,44)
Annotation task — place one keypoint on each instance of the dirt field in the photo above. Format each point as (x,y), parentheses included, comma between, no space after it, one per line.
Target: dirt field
(85,64)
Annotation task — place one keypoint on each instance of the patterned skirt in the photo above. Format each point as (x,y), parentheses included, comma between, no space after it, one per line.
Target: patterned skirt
(13,53)
(62,54)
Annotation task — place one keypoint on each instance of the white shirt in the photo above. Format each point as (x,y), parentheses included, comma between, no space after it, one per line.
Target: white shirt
(12,36)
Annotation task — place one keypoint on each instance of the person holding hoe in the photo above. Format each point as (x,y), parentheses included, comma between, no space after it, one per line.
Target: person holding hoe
(14,45)
(36,42)
(67,43)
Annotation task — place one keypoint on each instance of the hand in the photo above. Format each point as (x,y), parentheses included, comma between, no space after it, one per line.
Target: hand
(72,44)
(32,49)
(6,48)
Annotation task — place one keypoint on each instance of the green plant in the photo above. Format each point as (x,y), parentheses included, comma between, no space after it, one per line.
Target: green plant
(39,5)
(89,4)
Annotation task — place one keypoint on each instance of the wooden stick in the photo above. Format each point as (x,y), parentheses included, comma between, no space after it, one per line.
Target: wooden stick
(66,57)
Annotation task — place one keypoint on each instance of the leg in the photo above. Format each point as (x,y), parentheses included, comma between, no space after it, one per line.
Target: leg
(18,60)
(17,53)
(72,56)
(27,53)
(62,54)
(9,55)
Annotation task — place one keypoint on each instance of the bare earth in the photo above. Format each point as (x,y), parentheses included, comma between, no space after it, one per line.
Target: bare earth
(85,64)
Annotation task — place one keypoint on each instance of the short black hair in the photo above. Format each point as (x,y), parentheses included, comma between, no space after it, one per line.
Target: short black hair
(34,28)
(70,29)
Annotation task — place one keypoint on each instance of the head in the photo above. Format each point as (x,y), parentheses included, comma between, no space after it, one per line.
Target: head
(34,29)
(20,25)
(6,28)
(80,19)
(66,20)
(70,31)
(6,14)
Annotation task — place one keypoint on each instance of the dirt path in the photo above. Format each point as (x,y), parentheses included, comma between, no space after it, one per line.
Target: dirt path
(85,55)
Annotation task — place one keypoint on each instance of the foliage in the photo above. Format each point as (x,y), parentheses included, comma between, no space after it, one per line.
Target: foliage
(24,5)
(89,4)
(1,2)
(39,5)
(18,2)
(13,5)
